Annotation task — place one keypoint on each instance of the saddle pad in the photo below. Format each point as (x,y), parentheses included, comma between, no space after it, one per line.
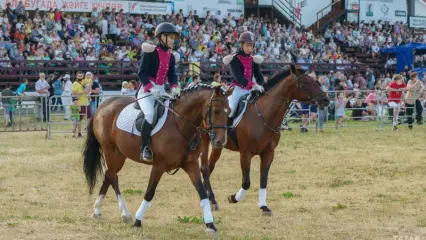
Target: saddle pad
(237,120)
(126,119)
(240,111)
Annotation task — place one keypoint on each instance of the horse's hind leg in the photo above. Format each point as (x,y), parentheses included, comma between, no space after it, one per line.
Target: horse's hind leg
(245,160)
(125,214)
(114,168)
(98,204)
(114,161)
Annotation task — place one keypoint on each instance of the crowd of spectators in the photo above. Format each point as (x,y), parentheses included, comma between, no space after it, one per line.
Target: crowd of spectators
(113,35)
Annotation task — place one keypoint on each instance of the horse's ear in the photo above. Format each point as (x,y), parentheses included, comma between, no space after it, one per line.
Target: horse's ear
(293,68)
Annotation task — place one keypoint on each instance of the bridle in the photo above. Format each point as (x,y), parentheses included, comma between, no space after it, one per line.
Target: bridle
(299,84)
(210,126)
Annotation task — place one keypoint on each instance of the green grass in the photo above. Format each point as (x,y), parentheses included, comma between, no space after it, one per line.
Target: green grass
(354,184)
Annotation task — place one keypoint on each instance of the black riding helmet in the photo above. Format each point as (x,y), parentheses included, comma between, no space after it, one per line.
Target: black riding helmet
(165,28)
(247,37)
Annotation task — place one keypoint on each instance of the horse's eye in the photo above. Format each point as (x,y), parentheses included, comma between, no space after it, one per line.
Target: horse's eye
(216,111)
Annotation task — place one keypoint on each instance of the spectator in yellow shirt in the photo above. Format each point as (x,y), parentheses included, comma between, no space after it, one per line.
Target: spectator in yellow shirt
(80,91)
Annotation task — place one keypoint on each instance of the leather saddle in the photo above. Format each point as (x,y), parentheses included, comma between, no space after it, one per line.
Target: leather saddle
(159,110)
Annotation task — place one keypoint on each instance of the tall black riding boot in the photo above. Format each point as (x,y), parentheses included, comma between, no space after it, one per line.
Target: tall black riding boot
(146,153)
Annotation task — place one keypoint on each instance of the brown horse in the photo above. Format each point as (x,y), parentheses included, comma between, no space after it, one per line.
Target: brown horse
(174,146)
(258,132)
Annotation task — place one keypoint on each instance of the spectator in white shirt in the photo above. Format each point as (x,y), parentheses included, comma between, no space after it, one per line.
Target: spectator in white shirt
(91,57)
(374,50)
(42,88)
(66,95)
(219,17)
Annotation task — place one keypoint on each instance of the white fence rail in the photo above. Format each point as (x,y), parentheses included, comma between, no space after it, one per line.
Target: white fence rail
(53,115)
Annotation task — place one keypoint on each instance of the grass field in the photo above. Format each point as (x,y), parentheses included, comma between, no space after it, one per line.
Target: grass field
(354,184)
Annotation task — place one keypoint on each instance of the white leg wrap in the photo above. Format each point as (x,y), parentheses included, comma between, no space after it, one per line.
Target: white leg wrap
(240,195)
(122,206)
(98,204)
(262,197)
(142,209)
(207,212)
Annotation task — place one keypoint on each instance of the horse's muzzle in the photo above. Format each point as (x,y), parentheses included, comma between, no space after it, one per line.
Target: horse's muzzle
(218,143)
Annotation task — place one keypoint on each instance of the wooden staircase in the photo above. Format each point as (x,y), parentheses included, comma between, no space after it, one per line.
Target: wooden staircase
(323,19)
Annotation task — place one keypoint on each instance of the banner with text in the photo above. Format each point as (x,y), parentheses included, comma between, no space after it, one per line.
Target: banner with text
(133,7)
(235,7)
(385,10)
(417,22)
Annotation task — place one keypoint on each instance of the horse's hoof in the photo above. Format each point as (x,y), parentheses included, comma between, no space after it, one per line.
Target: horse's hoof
(96,216)
(211,234)
(137,224)
(267,214)
(266,211)
(231,199)
(214,207)
(127,219)
(211,231)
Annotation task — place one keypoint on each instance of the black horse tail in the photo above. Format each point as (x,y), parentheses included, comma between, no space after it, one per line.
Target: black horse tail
(92,154)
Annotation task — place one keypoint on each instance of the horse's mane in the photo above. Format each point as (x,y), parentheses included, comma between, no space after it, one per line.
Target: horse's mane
(195,88)
(277,78)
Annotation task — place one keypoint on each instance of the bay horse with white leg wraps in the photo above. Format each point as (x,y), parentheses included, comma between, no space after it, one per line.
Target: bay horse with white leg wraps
(258,132)
(174,146)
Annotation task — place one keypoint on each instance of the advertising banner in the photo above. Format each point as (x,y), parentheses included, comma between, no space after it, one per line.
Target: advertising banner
(417,22)
(235,7)
(385,10)
(134,7)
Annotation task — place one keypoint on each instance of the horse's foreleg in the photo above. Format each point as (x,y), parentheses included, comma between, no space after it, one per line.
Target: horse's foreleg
(206,172)
(193,171)
(265,164)
(101,197)
(156,174)
(245,160)
(214,157)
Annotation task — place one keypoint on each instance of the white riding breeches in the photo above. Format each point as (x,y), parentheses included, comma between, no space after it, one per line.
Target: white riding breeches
(147,101)
(235,97)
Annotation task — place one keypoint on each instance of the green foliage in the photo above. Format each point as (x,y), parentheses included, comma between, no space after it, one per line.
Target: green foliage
(132,192)
(197,220)
(339,206)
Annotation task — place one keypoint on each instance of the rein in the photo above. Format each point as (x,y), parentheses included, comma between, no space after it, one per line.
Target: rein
(299,85)
(195,141)
(265,122)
